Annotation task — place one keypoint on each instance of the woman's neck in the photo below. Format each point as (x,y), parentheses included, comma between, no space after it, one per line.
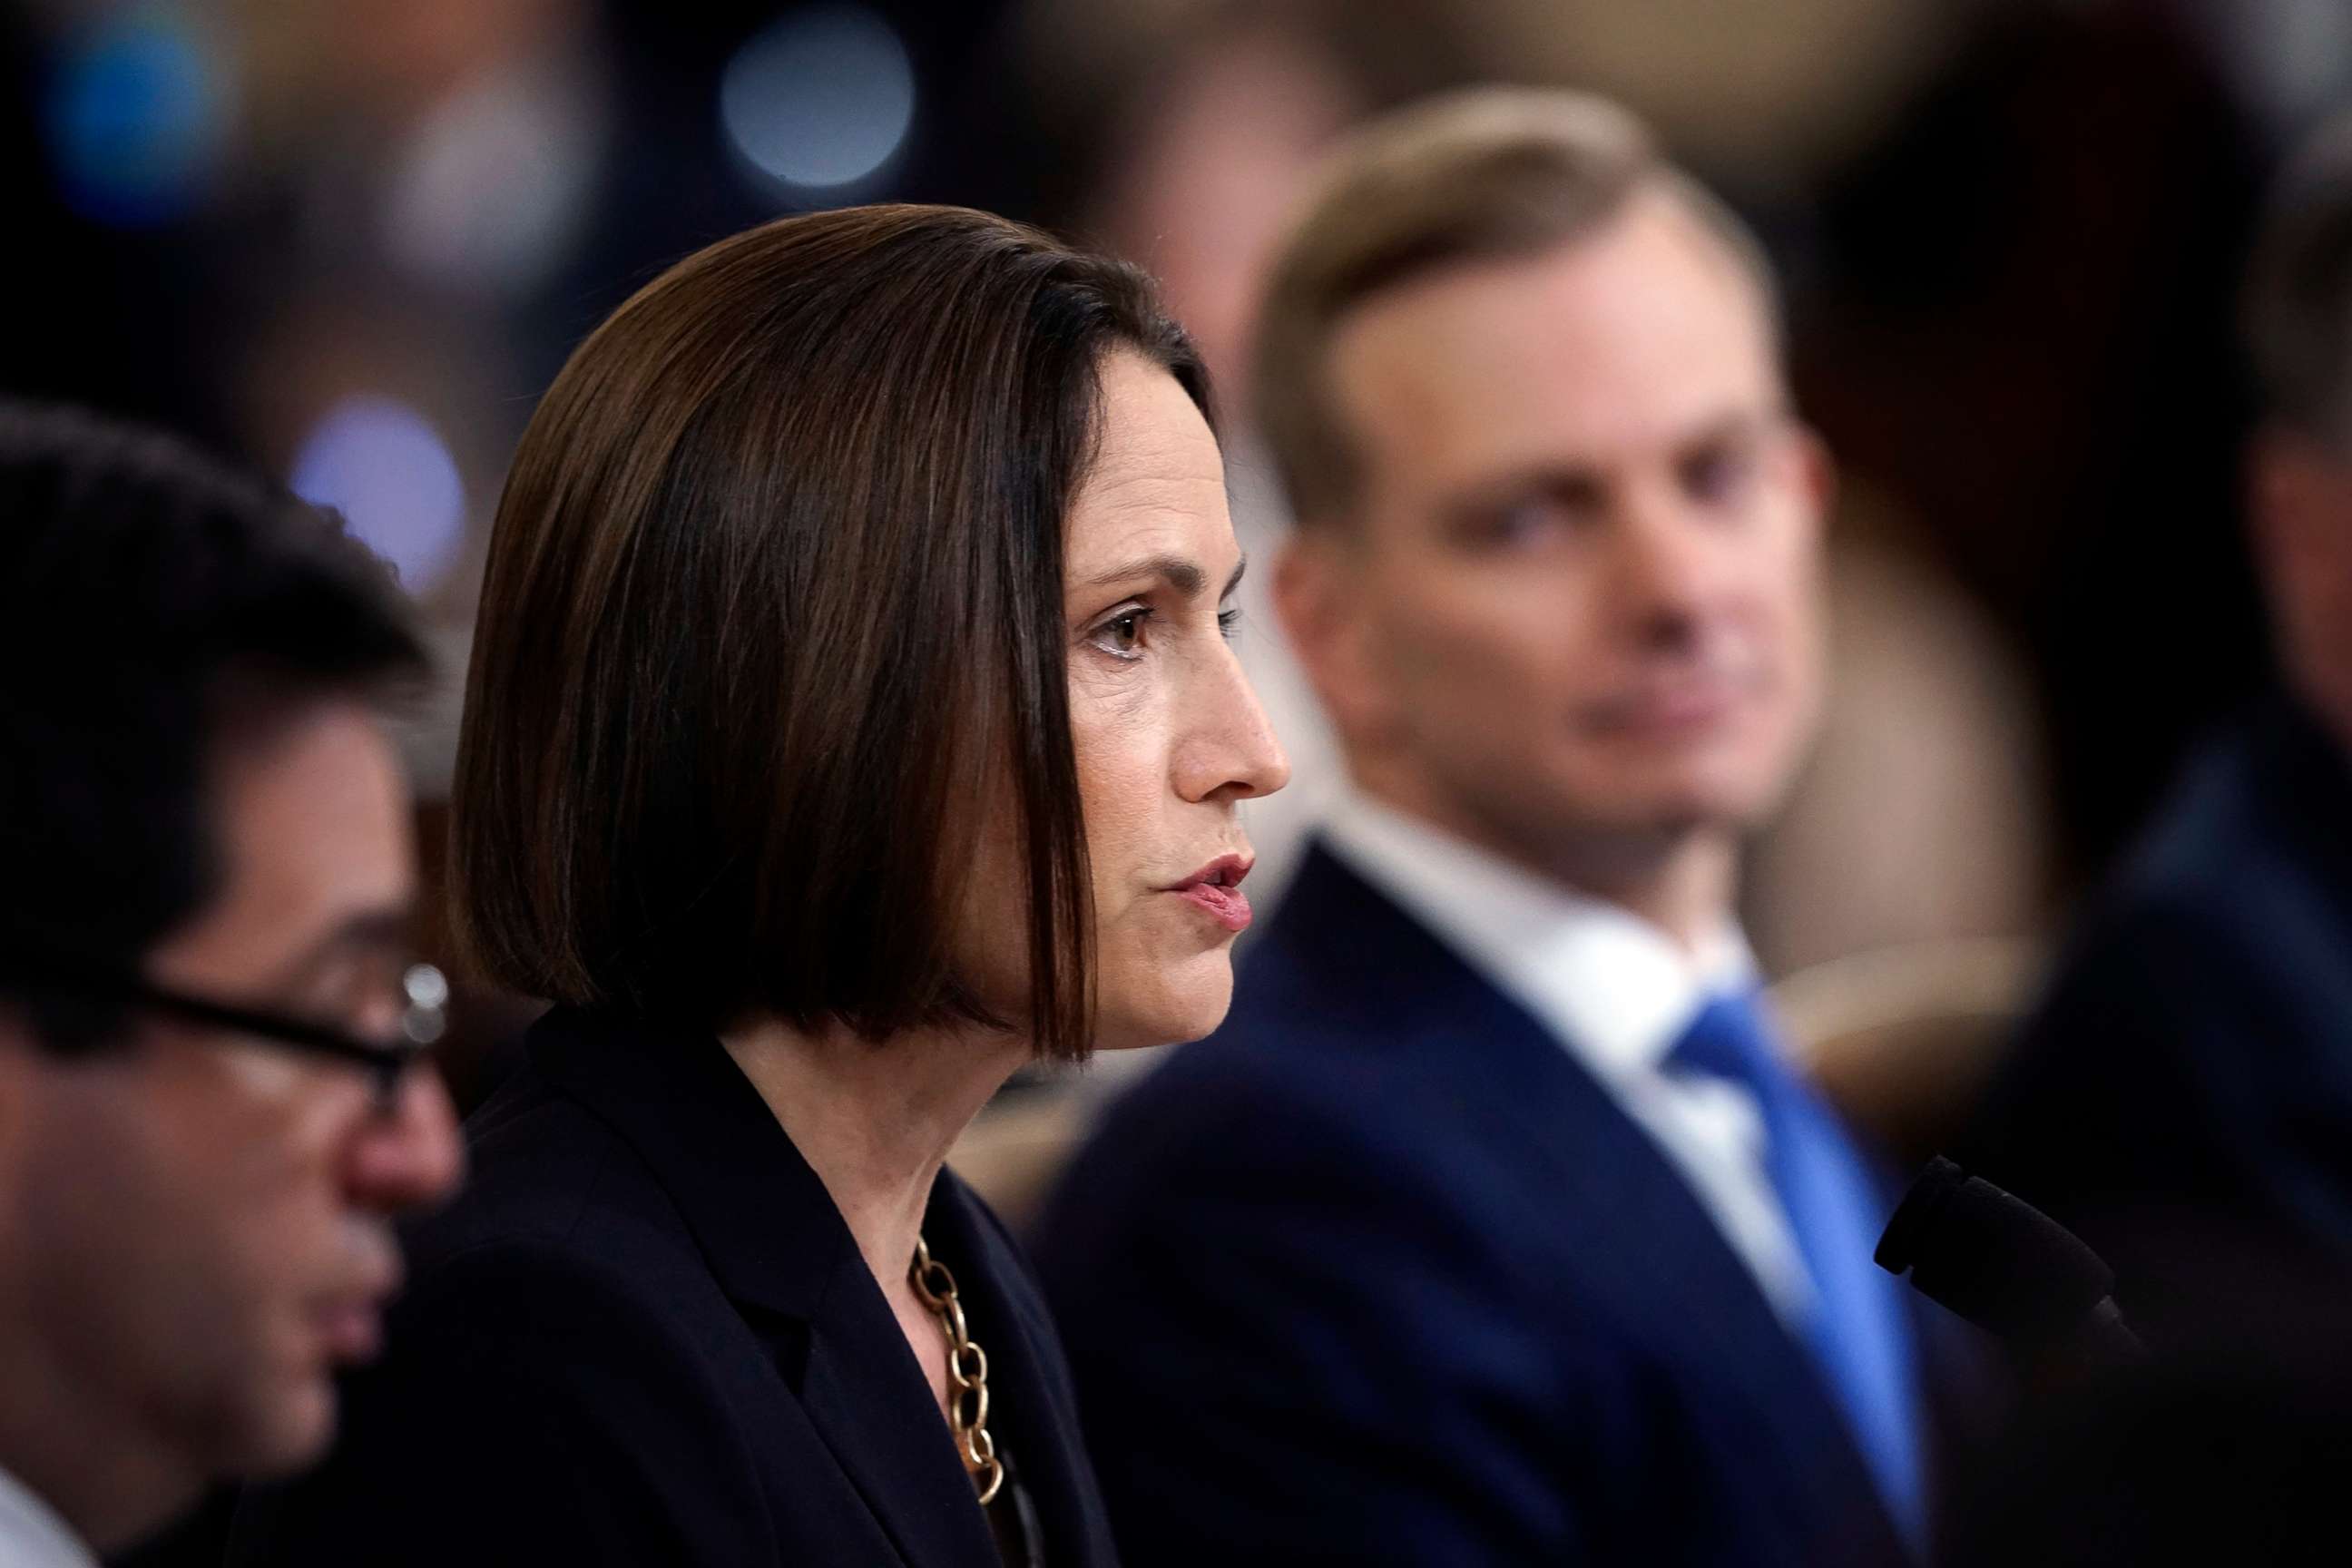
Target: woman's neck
(875,1121)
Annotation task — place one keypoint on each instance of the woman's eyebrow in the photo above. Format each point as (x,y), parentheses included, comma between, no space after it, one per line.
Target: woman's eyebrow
(1178,572)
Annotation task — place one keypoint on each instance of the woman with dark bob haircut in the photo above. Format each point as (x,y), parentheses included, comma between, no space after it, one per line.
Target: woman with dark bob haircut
(851,722)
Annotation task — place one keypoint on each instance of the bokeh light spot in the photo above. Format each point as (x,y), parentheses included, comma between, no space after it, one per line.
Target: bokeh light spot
(820,100)
(382,464)
(134,119)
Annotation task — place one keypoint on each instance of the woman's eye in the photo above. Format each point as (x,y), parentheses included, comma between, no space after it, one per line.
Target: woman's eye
(1122,635)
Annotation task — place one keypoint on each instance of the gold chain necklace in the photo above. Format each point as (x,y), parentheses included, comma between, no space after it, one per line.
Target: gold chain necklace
(967,1374)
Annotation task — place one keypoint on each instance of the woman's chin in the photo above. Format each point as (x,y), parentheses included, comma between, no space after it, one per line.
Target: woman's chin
(1185,1003)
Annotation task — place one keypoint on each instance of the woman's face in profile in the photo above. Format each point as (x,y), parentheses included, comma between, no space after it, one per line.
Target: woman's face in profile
(1169,737)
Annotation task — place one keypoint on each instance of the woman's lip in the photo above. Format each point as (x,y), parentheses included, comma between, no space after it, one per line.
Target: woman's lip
(1228,869)
(1227,905)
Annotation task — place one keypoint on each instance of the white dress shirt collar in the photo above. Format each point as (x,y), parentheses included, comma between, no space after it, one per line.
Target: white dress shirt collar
(1612,987)
(31,1533)
(1617,993)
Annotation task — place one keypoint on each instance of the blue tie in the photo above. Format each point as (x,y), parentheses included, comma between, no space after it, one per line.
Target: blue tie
(1858,1333)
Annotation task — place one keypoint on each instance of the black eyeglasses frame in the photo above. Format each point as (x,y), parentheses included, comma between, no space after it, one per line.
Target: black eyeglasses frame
(423,1022)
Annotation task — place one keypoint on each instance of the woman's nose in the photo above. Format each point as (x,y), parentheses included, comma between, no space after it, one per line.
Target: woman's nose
(1234,754)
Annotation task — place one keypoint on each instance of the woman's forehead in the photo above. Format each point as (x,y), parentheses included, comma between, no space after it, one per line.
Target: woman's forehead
(1157,486)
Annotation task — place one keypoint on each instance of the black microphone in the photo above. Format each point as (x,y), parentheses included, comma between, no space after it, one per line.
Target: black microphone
(2008,1268)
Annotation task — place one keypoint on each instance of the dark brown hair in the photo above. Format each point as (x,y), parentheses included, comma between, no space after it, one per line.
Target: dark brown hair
(775,598)
(158,609)
(1487,174)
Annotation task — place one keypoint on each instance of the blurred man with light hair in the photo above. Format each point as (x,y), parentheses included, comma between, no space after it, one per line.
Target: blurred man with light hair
(1493,1229)
(211,1099)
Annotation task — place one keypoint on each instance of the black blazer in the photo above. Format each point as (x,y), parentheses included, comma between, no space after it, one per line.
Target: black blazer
(1379,1274)
(2182,1096)
(643,1334)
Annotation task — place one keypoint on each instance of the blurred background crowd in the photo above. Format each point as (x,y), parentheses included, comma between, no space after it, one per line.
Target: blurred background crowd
(349,241)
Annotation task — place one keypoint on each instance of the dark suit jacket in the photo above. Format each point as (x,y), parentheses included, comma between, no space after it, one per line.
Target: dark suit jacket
(2182,1097)
(1380,1274)
(642,1335)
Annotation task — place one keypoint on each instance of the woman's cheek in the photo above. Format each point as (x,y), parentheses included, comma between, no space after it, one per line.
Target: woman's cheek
(1122,771)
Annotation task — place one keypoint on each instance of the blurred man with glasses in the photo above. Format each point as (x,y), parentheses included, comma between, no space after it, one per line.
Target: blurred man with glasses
(209,1110)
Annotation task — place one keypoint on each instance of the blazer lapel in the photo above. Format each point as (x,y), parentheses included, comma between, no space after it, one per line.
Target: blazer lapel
(780,1249)
(865,1393)
(1618,1196)
(1034,1408)
(1596,1184)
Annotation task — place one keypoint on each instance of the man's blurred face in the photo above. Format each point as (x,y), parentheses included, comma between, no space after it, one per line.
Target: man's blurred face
(197,1224)
(2300,506)
(1576,611)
